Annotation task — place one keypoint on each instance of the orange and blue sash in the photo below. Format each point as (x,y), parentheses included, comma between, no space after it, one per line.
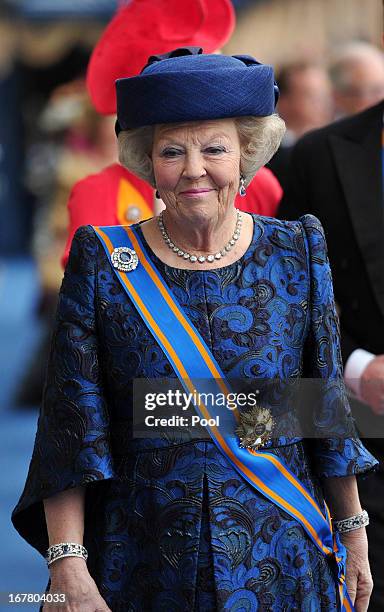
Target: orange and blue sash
(200,374)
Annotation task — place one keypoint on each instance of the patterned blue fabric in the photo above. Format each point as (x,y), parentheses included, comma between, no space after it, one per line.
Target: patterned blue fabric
(170,524)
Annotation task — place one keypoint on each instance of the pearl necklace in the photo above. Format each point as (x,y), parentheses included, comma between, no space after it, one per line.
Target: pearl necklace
(202,258)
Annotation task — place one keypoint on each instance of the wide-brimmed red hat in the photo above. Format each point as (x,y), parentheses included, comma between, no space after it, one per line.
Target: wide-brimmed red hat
(149,27)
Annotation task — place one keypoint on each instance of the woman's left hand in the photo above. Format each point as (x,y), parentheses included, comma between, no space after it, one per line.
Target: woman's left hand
(359,578)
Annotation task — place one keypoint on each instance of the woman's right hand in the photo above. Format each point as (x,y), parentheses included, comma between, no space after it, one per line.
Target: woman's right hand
(71,577)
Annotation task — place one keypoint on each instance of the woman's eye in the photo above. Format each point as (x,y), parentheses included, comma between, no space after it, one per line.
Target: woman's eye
(171,152)
(215,150)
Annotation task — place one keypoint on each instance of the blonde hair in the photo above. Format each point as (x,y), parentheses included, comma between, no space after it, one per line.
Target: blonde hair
(260,138)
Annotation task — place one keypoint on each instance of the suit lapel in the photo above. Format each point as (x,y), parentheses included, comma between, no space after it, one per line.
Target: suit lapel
(357,155)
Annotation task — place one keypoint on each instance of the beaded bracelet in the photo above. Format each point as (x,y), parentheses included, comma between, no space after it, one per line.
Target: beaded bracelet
(352,523)
(65,549)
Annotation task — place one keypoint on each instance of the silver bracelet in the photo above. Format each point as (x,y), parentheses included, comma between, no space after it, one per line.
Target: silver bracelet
(65,549)
(352,523)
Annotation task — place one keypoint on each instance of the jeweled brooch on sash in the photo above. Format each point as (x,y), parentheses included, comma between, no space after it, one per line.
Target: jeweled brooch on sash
(255,428)
(124,259)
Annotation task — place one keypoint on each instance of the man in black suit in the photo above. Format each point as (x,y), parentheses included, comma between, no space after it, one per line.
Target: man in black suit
(336,173)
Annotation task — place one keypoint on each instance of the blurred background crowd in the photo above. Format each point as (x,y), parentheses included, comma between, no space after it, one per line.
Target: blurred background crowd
(329,64)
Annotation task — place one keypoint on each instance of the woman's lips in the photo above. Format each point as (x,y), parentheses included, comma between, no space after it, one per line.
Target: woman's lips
(196,192)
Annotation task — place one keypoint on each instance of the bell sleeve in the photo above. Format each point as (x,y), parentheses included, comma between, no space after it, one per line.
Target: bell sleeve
(72,440)
(336,448)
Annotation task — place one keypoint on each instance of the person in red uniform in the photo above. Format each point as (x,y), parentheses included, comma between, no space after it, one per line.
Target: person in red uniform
(115,196)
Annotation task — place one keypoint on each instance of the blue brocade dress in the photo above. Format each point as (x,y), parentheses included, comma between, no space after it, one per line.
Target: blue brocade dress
(169,524)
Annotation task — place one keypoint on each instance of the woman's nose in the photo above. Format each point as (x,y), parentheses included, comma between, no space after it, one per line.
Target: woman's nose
(194,167)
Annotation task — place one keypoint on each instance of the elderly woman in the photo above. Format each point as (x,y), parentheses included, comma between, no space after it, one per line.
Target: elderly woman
(233,518)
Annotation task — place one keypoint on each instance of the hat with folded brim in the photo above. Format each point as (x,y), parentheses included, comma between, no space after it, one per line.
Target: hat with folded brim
(147,27)
(187,85)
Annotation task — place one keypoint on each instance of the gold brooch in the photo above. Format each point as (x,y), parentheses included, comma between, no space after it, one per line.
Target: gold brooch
(255,427)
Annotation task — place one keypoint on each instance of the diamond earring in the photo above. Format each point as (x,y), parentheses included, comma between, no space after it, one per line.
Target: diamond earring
(242,189)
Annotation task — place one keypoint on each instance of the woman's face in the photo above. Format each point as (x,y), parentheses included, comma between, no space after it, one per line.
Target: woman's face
(197,166)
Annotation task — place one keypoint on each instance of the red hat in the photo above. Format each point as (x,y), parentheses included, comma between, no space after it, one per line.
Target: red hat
(148,27)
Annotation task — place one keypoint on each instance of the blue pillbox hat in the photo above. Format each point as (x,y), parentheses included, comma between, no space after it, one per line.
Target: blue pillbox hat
(187,85)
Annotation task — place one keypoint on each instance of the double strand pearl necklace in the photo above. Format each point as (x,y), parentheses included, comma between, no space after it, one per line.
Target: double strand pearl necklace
(201,258)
